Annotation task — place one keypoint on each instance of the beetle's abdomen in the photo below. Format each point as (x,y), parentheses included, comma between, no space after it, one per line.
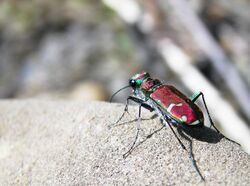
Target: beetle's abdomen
(177,105)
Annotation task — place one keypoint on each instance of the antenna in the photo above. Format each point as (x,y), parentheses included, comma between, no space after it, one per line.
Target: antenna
(117,92)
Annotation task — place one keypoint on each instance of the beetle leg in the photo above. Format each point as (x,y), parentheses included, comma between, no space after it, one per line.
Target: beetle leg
(125,110)
(194,98)
(166,119)
(141,102)
(191,155)
(137,100)
(182,145)
(138,128)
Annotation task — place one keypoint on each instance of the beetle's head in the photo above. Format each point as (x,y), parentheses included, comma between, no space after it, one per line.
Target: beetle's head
(138,79)
(135,82)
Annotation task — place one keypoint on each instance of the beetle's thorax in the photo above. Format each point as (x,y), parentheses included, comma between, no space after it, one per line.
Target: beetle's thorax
(150,85)
(145,82)
(147,87)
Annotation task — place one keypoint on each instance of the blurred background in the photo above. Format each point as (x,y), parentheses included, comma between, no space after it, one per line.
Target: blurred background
(88,49)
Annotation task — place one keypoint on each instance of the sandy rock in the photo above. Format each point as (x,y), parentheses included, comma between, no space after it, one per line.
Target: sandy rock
(70,143)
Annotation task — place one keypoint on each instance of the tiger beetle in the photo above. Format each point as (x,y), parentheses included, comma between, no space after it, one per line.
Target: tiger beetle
(172,106)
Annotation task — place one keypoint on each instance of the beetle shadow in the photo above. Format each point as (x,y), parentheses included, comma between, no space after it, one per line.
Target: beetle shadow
(201,134)
(142,141)
(133,120)
(188,133)
(204,133)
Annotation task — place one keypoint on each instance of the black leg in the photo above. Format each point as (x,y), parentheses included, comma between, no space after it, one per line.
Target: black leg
(191,155)
(125,110)
(194,98)
(138,128)
(137,100)
(168,122)
(142,104)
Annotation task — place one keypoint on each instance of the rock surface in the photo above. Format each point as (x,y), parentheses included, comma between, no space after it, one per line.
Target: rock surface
(70,143)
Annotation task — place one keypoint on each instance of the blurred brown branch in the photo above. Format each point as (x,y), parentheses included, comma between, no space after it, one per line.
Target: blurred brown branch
(211,49)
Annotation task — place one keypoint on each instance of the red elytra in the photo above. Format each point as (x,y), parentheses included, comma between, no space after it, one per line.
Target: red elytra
(177,104)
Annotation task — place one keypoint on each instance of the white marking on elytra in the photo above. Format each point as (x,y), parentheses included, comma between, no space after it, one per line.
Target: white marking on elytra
(195,122)
(184,118)
(172,105)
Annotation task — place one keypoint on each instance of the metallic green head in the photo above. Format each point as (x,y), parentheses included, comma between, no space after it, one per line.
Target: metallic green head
(137,80)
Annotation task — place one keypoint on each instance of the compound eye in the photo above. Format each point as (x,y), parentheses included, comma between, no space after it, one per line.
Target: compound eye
(132,83)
